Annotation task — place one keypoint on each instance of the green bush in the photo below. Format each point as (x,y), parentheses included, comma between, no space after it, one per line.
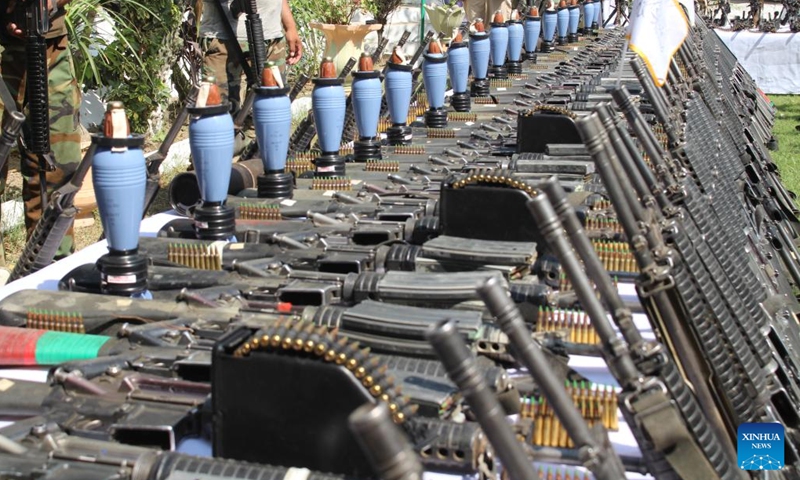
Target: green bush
(305,12)
(131,66)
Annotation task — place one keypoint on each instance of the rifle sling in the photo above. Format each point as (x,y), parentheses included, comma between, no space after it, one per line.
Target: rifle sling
(235,43)
(665,427)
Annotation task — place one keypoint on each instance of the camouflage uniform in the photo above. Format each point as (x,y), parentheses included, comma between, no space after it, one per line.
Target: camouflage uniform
(65,98)
(222,63)
(219,60)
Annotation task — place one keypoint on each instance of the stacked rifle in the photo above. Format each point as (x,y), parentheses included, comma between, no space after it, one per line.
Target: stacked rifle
(425,311)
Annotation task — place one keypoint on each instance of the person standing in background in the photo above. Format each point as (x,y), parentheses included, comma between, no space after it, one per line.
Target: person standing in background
(280,35)
(485,9)
(64,97)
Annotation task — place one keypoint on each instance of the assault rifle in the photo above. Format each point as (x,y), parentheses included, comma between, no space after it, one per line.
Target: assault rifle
(42,448)
(56,219)
(713,325)
(651,362)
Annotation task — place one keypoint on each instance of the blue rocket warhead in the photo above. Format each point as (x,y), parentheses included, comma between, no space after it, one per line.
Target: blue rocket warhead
(479,51)
(516,33)
(119,176)
(434,75)
(498,38)
(272,116)
(562,21)
(211,142)
(328,103)
(533,28)
(398,97)
(588,16)
(574,20)
(549,21)
(458,69)
(367,98)
(211,139)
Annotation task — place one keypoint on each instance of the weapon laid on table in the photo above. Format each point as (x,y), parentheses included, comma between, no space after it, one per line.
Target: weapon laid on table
(41,449)
(36,89)
(52,227)
(642,395)
(305,132)
(650,358)
(160,411)
(742,302)
(386,448)
(460,365)
(695,291)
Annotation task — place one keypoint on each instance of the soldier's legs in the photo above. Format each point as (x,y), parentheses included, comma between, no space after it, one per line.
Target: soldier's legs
(224,67)
(504,6)
(13,73)
(64,100)
(476,9)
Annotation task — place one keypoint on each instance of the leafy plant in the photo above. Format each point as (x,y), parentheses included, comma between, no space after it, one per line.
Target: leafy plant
(129,61)
(305,12)
(91,28)
(337,12)
(381,9)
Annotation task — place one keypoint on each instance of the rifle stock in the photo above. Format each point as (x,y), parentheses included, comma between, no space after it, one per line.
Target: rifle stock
(56,219)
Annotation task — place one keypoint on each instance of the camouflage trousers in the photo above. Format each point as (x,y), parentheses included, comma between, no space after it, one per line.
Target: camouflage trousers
(65,139)
(221,62)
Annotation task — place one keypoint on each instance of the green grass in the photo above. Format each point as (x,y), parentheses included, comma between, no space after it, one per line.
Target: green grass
(788,155)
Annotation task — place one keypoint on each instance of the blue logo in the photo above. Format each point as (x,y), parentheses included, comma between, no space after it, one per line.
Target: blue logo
(760,446)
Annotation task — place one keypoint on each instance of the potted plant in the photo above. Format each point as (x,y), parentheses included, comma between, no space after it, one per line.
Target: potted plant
(445,18)
(343,39)
(381,9)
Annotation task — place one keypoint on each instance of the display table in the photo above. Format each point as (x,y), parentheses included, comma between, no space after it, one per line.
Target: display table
(772,59)
(47,279)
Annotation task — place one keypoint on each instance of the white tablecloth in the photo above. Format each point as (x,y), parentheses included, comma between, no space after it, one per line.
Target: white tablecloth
(772,59)
(47,279)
